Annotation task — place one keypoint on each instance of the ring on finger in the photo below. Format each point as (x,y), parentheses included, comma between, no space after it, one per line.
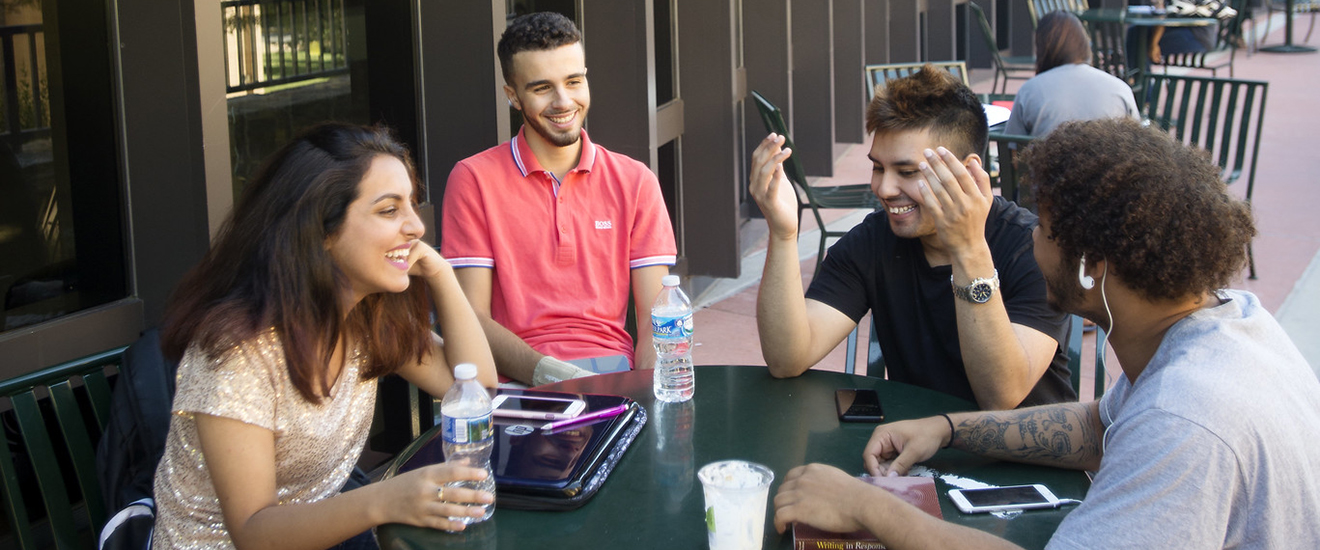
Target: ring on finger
(440,494)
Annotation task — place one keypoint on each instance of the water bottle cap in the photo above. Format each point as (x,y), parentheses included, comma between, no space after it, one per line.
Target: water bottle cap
(465,371)
(669,280)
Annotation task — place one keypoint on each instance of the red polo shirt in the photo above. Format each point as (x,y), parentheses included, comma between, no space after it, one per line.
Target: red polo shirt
(561,251)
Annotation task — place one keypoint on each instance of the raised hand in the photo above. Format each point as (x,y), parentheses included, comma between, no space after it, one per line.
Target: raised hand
(957,197)
(425,262)
(770,187)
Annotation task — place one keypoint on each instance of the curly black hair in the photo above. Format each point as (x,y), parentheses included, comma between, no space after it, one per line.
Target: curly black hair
(538,31)
(933,99)
(1155,208)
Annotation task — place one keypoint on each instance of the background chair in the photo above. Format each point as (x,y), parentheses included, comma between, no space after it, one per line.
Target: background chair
(815,198)
(1227,39)
(1038,8)
(856,196)
(1220,115)
(875,360)
(1109,45)
(878,75)
(73,401)
(1004,172)
(1075,332)
(1016,68)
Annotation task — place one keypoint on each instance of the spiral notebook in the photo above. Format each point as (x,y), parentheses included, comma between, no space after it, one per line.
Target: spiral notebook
(556,470)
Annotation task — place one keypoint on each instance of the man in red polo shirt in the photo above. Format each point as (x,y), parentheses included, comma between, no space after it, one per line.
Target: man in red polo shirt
(548,231)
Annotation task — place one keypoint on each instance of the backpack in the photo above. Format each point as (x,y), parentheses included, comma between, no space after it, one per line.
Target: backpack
(134,440)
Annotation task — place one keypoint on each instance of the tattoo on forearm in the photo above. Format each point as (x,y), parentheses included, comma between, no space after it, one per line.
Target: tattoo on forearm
(1052,434)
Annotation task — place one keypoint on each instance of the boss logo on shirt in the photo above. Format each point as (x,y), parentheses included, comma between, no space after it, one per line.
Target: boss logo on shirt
(605,224)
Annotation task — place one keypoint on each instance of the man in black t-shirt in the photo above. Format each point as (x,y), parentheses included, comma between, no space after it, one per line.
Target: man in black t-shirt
(946,269)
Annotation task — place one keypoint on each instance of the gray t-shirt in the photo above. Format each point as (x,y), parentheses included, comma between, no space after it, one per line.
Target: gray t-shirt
(1068,92)
(1213,446)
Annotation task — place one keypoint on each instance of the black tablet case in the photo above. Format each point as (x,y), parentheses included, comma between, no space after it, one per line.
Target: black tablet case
(521,482)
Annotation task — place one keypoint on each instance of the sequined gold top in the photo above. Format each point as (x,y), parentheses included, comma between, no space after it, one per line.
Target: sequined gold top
(316,446)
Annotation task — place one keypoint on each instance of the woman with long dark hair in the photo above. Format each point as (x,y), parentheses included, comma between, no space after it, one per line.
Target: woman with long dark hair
(1066,87)
(317,285)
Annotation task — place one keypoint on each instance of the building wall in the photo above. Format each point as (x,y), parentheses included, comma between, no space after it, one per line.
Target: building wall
(434,75)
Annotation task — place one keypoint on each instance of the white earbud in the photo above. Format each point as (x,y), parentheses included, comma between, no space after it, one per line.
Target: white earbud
(509,100)
(1087,281)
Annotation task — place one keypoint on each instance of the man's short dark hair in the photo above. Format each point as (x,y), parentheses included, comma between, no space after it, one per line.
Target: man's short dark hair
(1155,208)
(538,31)
(933,99)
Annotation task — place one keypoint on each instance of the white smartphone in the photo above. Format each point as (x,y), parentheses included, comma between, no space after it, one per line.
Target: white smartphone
(994,499)
(536,407)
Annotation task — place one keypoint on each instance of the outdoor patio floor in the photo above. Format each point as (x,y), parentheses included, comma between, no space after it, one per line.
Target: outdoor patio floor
(1284,202)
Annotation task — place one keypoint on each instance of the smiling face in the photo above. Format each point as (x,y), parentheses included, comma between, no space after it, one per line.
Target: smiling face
(894,175)
(380,225)
(550,88)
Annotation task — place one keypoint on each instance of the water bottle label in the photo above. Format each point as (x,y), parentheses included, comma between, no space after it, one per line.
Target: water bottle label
(466,430)
(671,327)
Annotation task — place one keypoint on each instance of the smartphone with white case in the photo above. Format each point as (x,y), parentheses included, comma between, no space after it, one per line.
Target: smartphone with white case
(536,407)
(995,499)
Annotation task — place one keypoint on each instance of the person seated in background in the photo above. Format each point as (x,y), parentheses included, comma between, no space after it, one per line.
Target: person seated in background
(1066,87)
(549,231)
(317,285)
(1180,40)
(1207,438)
(946,270)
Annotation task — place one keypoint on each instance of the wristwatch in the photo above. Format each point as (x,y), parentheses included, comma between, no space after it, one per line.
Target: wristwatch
(979,291)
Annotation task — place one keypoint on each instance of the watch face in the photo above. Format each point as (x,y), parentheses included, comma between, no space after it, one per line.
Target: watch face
(980,292)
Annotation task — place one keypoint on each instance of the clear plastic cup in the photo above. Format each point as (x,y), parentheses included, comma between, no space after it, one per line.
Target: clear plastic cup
(736,493)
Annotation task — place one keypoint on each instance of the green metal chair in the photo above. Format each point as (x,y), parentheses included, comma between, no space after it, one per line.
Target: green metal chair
(878,75)
(1075,332)
(1016,68)
(1039,8)
(853,196)
(1227,39)
(1223,116)
(1109,46)
(1006,176)
(34,464)
(875,360)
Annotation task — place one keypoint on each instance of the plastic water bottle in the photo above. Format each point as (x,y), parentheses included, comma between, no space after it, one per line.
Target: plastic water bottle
(671,332)
(466,429)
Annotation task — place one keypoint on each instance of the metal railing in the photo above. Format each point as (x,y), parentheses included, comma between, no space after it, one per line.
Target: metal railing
(271,43)
(24,104)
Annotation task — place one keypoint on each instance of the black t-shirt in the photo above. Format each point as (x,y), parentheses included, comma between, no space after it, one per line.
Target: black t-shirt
(912,308)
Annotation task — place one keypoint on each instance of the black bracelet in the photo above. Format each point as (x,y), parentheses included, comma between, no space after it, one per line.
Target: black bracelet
(951,430)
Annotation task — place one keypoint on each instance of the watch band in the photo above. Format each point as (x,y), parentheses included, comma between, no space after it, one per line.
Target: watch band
(979,290)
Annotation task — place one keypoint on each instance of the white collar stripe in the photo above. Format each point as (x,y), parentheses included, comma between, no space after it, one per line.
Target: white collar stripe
(517,158)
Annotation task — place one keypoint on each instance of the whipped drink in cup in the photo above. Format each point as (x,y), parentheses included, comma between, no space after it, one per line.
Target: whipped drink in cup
(736,493)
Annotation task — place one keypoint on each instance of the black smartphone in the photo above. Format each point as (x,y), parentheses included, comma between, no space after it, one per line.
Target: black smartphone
(858,405)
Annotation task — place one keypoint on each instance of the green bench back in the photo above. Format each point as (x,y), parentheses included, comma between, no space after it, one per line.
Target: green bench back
(51,415)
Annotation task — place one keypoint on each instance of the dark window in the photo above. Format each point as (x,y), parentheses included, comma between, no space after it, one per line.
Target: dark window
(61,210)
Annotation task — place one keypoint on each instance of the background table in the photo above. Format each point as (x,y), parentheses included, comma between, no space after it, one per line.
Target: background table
(1287,46)
(1138,60)
(653,498)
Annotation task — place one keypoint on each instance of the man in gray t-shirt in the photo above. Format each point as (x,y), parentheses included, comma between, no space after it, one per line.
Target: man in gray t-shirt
(1205,439)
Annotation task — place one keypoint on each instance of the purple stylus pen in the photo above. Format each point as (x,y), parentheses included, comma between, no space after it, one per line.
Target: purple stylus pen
(603,413)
